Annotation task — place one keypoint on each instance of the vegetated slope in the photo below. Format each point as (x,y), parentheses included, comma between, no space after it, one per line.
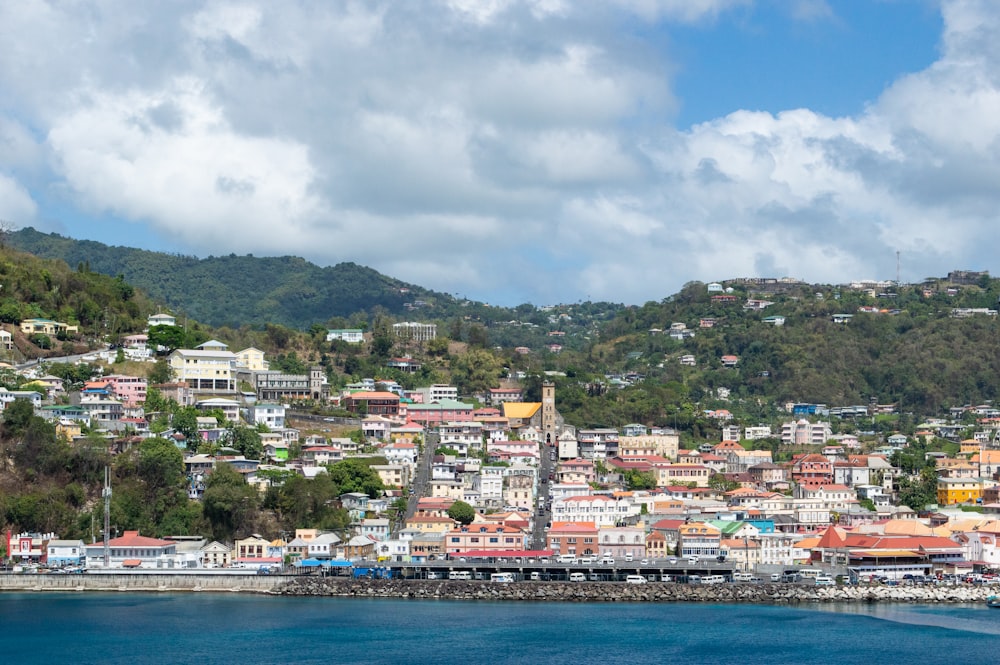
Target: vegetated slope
(46,288)
(236,290)
(911,352)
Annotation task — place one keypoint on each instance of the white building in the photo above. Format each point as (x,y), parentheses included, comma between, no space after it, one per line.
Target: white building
(417,332)
(349,335)
(266,413)
(600,509)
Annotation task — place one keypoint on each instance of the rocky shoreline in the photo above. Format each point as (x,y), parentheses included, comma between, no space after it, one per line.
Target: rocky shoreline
(611,592)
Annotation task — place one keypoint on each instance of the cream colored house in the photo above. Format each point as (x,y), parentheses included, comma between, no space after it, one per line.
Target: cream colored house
(252,359)
(204,370)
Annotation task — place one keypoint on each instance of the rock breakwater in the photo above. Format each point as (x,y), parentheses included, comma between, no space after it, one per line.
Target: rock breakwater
(594,592)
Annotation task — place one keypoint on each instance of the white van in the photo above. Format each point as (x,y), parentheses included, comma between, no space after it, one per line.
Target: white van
(566,558)
(742,576)
(577,577)
(502,577)
(460,575)
(713,579)
(628,556)
(635,579)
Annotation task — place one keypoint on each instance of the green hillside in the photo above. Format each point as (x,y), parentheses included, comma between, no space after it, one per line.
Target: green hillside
(915,352)
(236,290)
(97,304)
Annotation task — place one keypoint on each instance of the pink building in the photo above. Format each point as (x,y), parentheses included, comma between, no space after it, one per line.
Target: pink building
(129,390)
(479,537)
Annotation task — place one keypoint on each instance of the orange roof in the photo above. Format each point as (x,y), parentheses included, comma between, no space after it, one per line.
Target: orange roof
(375,394)
(832,538)
(576,527)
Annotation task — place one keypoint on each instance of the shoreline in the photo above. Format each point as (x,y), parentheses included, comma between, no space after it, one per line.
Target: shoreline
(584,592)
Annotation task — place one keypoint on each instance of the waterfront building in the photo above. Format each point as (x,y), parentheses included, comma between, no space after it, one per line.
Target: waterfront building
(131,550)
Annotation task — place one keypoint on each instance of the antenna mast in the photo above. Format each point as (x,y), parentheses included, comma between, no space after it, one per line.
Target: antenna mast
(106,493)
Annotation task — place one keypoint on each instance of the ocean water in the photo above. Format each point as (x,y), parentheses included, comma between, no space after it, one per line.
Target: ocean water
(243,629)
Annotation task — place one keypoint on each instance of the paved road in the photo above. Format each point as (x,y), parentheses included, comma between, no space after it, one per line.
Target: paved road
(542,515)
(60,359)
(421,480)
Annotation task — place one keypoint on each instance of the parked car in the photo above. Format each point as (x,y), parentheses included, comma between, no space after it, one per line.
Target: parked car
(635,579)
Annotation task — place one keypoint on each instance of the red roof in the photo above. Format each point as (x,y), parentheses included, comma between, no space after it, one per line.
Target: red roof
(499,554)
(133,539)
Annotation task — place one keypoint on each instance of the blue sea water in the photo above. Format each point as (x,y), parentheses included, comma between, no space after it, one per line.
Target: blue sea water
(219,628)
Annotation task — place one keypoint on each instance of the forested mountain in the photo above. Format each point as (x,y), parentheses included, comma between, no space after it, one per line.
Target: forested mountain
(236,290)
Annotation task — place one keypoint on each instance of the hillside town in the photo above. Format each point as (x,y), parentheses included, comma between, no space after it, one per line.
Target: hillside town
(495,477)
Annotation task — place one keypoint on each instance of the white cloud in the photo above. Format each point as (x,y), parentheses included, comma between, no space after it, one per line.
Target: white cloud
(191,175)
(16,205)
(471,146)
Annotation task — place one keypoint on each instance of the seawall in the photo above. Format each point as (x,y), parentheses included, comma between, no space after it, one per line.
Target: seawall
(140,582)
(582,592)
(630,593)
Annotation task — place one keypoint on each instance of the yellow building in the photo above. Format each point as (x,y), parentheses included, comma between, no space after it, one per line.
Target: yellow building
(46,327)
(68,429)
(958,490)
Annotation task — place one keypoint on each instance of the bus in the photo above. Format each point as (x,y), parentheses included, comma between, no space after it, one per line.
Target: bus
(502,577)
(810,573)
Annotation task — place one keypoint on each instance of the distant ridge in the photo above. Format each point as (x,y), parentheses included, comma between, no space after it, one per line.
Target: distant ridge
(237,290)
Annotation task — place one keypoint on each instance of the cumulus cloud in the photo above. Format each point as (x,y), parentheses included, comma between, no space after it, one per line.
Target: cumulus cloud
(16,204)
(462,145)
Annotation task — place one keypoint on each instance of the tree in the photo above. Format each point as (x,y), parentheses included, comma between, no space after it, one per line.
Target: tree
(462,512)
(438,347)
(245,439)
(353,475)
(185,421)
(476,371)
(167,337)
(161,372)
(161,463)
(229,504)
(719,483)
(640,480)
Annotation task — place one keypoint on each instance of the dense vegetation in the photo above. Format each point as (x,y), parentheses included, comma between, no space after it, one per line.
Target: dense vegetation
(50,486)
(235,290)
(41,288)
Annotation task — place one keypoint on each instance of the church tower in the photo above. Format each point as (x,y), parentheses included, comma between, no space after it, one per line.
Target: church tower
(549,412)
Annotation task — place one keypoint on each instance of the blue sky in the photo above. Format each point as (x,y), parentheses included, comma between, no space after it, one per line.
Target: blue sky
(765,58)
(515,151)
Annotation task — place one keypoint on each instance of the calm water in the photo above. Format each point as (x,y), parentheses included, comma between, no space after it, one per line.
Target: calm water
(243,629)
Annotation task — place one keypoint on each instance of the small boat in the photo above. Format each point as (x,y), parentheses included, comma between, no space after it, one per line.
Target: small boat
(993,601)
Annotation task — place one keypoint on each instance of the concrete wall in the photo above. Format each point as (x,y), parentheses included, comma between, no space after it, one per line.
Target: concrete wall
(140,582)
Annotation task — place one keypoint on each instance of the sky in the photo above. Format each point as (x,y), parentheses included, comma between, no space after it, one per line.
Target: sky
(511,151)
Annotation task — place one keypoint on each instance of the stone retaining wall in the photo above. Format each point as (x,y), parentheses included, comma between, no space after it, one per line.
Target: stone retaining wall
(620,592)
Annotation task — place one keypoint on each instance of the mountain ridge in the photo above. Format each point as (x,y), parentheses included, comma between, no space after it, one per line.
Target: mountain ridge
(285,290)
